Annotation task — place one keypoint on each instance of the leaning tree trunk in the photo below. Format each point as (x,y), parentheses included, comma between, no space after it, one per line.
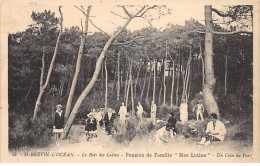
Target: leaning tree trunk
(43,87)
(210,81)
(128,85)
(86,91)
(106,91)
(78,64)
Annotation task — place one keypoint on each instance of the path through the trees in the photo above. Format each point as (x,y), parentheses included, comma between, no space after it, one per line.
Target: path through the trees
(106,144)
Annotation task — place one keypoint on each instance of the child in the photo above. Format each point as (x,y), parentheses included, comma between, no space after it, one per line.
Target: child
(91,127)
(200,109)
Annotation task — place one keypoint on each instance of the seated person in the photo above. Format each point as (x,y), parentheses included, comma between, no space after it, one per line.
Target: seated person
(172,123)
(91,126)
(164,135)
(215,131)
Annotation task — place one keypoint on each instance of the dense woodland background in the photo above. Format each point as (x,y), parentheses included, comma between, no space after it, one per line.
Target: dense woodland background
(146,51)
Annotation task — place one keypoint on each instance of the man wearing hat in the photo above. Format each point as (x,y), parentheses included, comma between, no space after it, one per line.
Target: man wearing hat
(109,120)
(58,123)
(91,127)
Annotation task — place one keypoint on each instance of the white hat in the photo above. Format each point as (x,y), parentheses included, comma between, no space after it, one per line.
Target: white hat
(90,114)
(59,105)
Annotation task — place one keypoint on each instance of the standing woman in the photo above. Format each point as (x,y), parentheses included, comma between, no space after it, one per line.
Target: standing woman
(153,111)
(58,123)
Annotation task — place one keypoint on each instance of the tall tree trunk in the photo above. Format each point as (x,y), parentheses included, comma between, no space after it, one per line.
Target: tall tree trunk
(203,67)
(78,64)
(178,80)
(137,77)
(141,96)
(164,69)
(160,93)
(226,71)
(173,76)
(161,81)
(149,82)
(132,91)
(106,91)
(128,84)
(43,87)
(210,81)
(118,76)
(154,80)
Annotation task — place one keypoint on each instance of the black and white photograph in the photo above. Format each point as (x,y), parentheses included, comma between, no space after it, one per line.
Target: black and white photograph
(117,81)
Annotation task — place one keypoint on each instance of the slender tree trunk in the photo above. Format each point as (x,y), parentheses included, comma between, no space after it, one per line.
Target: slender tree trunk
(149,82)
(160,94)
(173,76)
(118,76)
(128,84)
(210,81)
(141,96)
(161,81)
(226,71)
(136,82)
(78,64)
(154,80)
(132,91)
(164,69)
(178,80)
(203,67)
(29,90)
(43,87)
(106,91)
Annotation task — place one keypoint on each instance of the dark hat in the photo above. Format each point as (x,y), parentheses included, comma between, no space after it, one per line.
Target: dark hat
(213,115)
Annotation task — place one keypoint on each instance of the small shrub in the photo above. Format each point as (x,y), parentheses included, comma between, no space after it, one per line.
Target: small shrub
(25,134)
(125,132)
(165,109)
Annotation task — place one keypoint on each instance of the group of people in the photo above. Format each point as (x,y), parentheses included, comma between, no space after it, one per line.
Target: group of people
(106,120)
(215,130)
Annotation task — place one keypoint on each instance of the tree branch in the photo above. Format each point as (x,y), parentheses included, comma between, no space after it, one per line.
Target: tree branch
(231,33)
(145,53)
(83,11)
(98,28)
(128,41)
(221,14)
(118,15)
(126,12)
(144,10)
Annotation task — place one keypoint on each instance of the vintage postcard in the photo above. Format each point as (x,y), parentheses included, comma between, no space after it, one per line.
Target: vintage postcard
(115,81)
